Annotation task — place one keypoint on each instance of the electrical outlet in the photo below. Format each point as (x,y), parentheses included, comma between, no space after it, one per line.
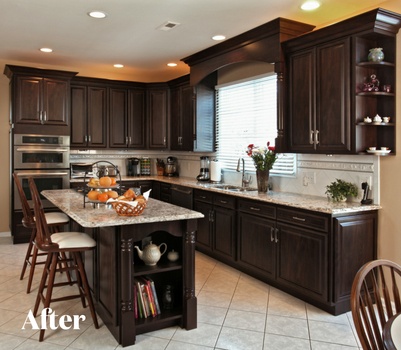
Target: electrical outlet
(309,177)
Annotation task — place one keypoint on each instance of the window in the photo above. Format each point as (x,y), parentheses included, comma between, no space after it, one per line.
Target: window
(246,112)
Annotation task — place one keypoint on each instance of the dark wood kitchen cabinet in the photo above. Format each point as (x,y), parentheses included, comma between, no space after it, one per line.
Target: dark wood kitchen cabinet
(216,234)
(127,118)
(40,100)
(326,75)
(181,114)
(319,99)
(157,115)
(88,116)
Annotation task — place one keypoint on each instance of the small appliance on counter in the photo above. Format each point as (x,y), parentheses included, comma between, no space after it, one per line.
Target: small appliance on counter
(204,174)
(133,167)
(170,168)
(78,170)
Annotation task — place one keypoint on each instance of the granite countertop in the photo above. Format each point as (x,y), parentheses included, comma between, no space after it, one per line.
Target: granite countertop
(72,203)
(295,200)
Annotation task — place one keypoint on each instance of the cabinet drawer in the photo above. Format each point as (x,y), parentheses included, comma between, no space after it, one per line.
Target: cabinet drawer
(257,208)
(203,196)
(304,219)
(165,188)
(224,201)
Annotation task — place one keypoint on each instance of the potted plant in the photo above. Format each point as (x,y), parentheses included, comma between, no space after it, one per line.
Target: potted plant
(340,190)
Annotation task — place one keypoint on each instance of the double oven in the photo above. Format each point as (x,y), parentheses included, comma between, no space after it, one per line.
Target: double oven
(45,158)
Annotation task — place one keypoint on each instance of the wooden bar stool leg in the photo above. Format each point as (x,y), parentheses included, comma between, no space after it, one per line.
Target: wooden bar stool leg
(42,284)
(28,254)
(65,265)
(79,279)
(85,283)
(49,289)
(32,269)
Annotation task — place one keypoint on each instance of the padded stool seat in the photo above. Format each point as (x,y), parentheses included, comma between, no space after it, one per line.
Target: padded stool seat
(72,240)
(56,218)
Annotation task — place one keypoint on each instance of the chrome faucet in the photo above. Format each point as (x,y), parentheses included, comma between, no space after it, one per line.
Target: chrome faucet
(244,182)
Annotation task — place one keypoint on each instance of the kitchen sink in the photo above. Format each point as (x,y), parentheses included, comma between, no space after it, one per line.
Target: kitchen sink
(233,188)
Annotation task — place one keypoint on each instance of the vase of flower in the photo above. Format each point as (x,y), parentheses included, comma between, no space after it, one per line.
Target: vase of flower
(376,55)
(263,159)
(262,179)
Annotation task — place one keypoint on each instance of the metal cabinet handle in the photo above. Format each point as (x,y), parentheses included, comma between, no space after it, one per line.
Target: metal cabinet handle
(298,219)
(130,140)
(271,234)
(317,137)
(44,116)
(223,202)
(276,235)
(86,138)
(126,140)
(164,140)
(311,137)
(89,138)
(255,209)
(181,191)
(203,197)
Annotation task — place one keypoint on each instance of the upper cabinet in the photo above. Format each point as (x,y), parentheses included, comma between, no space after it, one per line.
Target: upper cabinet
(127,118)
(181,114)
(88,115)
(328,78)
(157,115)
(40,100)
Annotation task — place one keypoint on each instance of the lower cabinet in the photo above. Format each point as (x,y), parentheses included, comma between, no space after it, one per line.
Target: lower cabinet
(144,185)
(311,255)
(217,230)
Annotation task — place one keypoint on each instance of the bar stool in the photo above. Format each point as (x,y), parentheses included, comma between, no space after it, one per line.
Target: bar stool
(55,221)
(56,244)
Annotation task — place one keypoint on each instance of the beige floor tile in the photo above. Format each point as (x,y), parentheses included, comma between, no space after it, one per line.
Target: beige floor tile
(102,337)
(9,342)
(248,303)
(175,345)
(205,335)
(251,321)
(327,346)
(292,327)
(280,342)
(335,333)
(231,338)
(211,314)
(214,299)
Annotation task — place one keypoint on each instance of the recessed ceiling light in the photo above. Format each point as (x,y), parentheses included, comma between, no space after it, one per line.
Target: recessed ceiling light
(118,65)
(310,5)
(172,64)
(218,37)
(97,14)
(46,49)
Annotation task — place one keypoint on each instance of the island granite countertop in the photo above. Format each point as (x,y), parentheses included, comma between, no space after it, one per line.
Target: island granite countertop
(295,200)
(71,202)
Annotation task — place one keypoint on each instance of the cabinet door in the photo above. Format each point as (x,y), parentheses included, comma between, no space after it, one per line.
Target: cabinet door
(333,74)
(79,114)
(302,261)
(118,137)
(175,119)
(187,118)
(55,101)
(256,244)
(136,118)
(224,232)
(157,118)
(301,101)
(355,243)
(97,116)
(204,235)
(28,106)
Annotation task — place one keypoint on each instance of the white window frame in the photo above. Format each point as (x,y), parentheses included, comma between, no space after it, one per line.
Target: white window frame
(237,140)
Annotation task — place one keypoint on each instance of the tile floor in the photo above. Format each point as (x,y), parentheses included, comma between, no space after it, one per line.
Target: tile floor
(227,317)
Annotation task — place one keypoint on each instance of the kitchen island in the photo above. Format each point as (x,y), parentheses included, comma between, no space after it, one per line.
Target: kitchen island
(113,266)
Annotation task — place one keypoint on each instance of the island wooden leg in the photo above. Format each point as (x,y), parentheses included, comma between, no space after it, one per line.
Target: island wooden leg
(128,334)
(190,302)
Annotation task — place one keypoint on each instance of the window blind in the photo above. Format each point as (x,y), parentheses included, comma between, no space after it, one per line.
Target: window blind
(246,112)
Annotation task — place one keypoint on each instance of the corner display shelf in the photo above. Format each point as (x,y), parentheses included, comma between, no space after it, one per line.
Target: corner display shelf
(372,103)
(101,166)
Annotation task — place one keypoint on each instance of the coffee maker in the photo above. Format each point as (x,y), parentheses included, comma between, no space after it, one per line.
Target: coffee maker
(204,174)
(133,167)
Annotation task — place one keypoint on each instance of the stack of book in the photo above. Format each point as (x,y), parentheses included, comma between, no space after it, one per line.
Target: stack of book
(146,303)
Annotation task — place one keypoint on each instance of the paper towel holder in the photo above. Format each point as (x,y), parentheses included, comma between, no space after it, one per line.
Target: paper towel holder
(215,171)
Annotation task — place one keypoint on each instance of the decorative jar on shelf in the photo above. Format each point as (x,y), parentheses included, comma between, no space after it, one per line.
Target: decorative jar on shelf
(376,55)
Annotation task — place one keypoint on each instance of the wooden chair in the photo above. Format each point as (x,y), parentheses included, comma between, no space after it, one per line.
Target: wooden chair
(375,297)
(68,243)
(55,221)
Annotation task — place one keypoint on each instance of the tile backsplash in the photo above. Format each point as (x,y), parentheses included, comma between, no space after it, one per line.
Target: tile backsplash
(313,174)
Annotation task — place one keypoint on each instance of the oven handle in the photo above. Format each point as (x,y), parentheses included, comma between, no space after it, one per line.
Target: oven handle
(30,149)
(42,174)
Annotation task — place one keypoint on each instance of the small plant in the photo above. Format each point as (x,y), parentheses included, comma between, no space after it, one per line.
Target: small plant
(339,190)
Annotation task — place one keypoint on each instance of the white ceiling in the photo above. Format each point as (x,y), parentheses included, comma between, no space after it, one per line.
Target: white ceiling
(129,34)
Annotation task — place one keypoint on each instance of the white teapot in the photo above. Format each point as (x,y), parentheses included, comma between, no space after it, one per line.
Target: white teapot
(151,253)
